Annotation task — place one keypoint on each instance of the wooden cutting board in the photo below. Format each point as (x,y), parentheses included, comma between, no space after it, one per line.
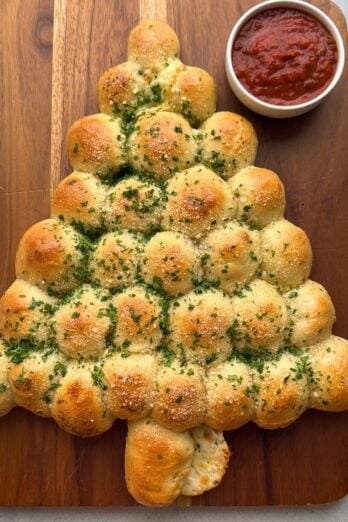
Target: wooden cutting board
(57,51)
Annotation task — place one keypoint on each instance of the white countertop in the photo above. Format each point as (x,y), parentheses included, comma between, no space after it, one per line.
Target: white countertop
(336,512)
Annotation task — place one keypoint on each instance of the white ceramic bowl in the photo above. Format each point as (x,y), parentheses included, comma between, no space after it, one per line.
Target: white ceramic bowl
(269,109)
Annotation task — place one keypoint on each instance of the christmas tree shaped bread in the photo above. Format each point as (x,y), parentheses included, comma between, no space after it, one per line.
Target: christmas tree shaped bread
(167,288)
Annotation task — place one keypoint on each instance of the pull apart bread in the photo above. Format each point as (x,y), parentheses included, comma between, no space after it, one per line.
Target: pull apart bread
(167,288)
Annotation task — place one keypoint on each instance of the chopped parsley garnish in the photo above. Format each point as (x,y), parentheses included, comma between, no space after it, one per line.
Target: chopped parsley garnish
(293,294)
(135,317)
(98,378)
(211,358)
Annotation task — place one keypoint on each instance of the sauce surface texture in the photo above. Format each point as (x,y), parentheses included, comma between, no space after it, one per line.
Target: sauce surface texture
(284,56)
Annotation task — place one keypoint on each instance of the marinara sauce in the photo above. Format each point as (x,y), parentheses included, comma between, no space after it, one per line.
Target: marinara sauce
(284,56)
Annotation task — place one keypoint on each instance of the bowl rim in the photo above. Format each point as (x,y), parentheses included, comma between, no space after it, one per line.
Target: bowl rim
(316,13)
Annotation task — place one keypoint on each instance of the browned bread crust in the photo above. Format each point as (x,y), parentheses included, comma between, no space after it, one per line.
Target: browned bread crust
(160,464)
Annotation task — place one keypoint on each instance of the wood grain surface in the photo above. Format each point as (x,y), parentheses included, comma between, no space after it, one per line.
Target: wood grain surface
(52,54)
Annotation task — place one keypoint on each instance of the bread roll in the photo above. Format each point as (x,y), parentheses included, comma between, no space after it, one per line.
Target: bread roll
(287,255)
(35,381)
(166,78)
(281,392)
(138,314)
(171,263)
(151,43)
(25,312)
(260,196)
(180,402)
(229,401)
(193,95)
(82,323)
(96,144)
(231,255)
(209,462)
(157,462)
(161,144)
(198,201)
(130,381)
(78,406)
(312,313)
(134,204)
(79,200)
(52,256)
(328,364)
(114,263)
(260,318)
(229,143)
(199,327)
(122,88)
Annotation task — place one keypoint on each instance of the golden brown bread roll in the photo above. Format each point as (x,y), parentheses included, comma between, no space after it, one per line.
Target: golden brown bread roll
(134,204)
(157,462)
(35,381)
(193,95)
(232,255)
(130,382)
(95,144)
(78,404)
(51,256)
(171,263)
(229,401)
(82,324)
(161,464)
(25,312)
(151,43)
(162,143)
(281,391)
(328,377)
(122,88)
(114,263)
(138,314)
(286,255)
(229,143)
(260,196)
(198,201)
(179,403)
(312,313)
(166,78)
(79,200)
(260,318)
(199,327)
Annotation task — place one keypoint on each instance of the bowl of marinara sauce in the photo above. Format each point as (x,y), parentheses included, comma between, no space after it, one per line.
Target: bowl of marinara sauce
(283,58)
